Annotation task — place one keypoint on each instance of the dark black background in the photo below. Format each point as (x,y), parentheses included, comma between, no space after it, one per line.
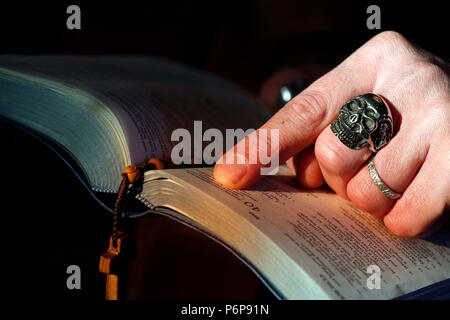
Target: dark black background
(57,223)
(244,41)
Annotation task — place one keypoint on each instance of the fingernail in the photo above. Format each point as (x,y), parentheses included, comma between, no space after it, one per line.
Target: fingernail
(230,174)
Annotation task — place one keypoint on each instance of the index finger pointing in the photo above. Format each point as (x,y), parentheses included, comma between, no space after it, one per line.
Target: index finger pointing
(300,121)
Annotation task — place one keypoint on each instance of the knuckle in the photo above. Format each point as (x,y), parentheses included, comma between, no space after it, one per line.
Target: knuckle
(387,48)
(432,84)
(391,39)
(391,46)
(414,215)
(396,223)
(429,71)
(436,116)
(328,156)
(308,109)
(360,193)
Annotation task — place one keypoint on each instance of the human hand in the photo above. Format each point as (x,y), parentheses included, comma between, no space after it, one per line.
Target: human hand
(416,161)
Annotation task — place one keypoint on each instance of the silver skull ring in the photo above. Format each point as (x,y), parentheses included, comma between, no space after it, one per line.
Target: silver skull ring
(364,121)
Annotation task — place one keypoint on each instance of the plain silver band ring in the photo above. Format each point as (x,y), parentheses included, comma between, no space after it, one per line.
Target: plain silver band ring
(380,184)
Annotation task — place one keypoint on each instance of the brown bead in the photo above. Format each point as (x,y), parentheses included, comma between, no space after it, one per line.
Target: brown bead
(158,163)
(132,173)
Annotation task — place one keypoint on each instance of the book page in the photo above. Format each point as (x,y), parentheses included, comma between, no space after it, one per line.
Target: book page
(330,238)
(150,97)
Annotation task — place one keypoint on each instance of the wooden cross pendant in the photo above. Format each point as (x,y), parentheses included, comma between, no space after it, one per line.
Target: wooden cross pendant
(113,263)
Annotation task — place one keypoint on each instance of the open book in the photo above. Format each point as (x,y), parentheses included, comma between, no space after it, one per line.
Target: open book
(105,113)
(110,112)
(302,244)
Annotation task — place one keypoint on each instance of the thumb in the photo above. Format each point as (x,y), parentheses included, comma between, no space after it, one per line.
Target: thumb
(299,122)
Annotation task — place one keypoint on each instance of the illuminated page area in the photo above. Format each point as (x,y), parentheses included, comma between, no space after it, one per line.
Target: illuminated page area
(150,97)
(200,210)
(75,120)
(332,240)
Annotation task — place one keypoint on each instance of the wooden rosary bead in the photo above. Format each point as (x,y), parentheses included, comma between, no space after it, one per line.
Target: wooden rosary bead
(132,173)
(157,163)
